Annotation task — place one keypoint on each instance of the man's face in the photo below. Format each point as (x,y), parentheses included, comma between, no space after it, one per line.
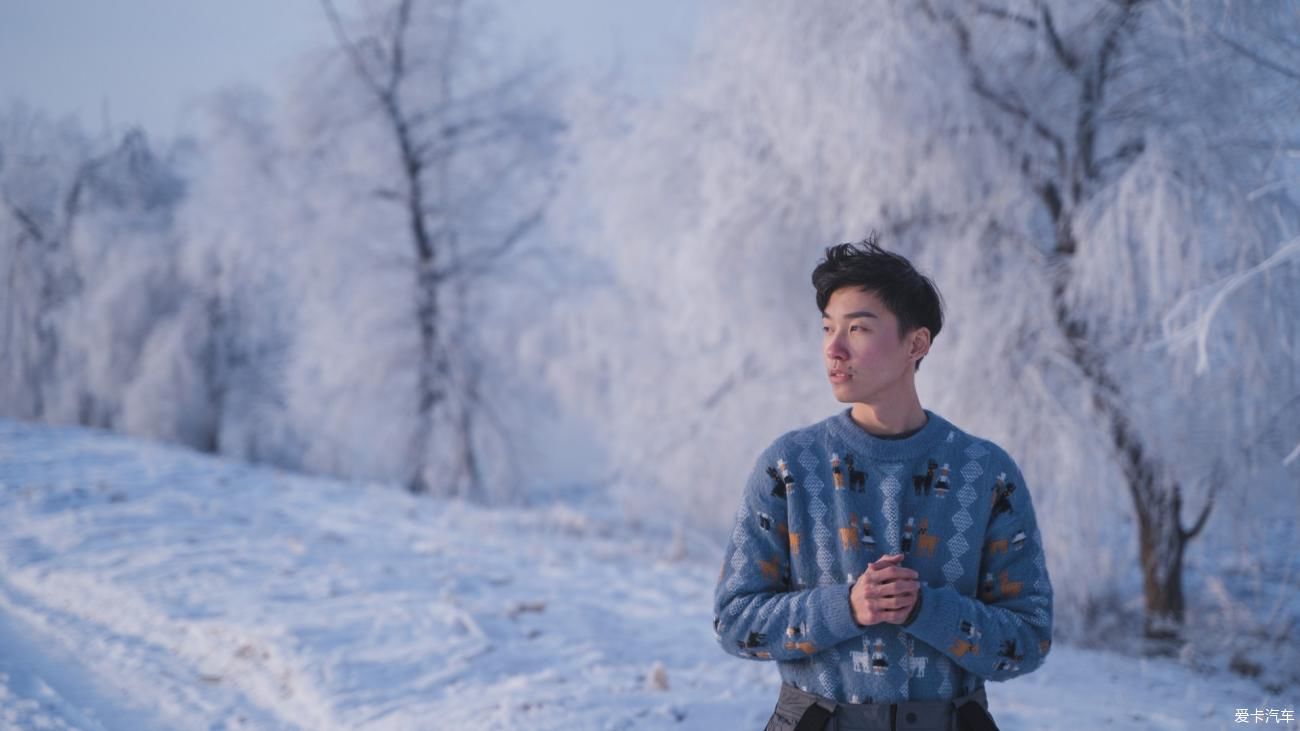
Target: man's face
(865,358)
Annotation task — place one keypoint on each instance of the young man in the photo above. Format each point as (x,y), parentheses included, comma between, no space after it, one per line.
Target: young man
(889,562)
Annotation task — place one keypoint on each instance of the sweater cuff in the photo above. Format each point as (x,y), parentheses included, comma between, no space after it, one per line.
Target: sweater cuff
(839,613)
(916,608)
(930,620)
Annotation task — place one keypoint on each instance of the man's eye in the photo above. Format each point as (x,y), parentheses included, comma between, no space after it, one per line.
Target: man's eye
(825,329)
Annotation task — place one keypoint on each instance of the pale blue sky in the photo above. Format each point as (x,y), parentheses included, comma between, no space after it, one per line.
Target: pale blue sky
(146,61)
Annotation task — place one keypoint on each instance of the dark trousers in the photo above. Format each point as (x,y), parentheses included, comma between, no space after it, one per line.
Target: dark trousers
(793,703)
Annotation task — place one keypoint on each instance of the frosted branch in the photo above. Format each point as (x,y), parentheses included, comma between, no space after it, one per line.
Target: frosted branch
(1058,46)
(1256,57)
(980,85)
(350,48)
(1200,326)
(28,223)
(472,265)
(1005,14)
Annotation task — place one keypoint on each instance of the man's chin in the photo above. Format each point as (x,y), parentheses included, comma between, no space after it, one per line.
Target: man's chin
(843,395)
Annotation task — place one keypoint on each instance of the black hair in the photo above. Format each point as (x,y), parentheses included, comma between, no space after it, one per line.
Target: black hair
(910,295)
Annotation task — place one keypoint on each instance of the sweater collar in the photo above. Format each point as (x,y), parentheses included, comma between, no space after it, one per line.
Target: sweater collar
(859,440)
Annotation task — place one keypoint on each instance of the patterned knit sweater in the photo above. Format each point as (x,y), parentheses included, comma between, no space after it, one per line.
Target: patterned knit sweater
(826,500)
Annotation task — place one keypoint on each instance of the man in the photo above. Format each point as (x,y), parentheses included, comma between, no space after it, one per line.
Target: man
(888,561)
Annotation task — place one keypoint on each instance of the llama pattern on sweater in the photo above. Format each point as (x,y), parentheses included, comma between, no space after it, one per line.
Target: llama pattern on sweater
(782,595)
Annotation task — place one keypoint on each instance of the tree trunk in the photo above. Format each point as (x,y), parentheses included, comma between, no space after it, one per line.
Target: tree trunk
(470,475)
(1161,550)
(429,387)
(1162,540)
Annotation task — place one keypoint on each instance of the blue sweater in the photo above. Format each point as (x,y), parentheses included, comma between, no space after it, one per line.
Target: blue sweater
(826,500)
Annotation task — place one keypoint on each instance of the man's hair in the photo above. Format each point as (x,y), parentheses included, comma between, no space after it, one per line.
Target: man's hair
(910,295)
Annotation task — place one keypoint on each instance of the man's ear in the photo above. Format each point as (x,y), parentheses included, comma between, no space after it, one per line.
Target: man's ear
(919,343)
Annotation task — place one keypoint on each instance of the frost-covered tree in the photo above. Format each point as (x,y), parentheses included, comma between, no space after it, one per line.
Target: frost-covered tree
(418,149)
(89,261)
(43,168)
(213,374)
(1124,127)
(1077,177)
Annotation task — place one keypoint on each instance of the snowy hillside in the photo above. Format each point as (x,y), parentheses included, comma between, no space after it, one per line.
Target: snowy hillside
(145,587)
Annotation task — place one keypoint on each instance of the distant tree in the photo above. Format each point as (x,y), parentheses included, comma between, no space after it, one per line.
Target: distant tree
(43,170)
(462,141)
(221,358)
(91,258)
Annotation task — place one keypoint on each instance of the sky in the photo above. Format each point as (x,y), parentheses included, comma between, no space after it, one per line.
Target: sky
(147,62)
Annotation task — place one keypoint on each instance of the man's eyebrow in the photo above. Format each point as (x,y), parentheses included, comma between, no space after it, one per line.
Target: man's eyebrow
(854,315)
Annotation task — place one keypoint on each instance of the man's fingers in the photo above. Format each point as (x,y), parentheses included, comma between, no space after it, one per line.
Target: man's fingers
(891,604)
(886,560)
(881,595)
(891,614)
(893,572)
(892,609)
(903,586)
(885,592)
(890,572)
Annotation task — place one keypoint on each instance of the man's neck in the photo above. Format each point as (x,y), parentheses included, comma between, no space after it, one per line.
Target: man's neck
(889,419)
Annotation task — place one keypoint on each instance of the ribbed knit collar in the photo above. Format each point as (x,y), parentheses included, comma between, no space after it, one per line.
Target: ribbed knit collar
(846,430)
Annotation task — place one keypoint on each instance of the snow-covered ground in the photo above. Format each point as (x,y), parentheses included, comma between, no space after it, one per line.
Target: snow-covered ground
(145,587)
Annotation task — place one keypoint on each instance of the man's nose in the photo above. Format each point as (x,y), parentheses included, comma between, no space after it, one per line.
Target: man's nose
(835,348)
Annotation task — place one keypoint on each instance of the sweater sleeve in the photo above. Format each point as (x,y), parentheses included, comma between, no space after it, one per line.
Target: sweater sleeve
(1007,629)
(756,614)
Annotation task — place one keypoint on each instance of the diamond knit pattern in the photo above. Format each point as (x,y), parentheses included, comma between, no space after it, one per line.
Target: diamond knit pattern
(961,519)
(889,489)
(945,672)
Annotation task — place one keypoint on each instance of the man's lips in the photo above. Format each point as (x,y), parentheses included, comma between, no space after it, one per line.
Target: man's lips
(838,376)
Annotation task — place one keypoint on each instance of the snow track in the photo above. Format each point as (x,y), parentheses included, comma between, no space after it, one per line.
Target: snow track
(202,594)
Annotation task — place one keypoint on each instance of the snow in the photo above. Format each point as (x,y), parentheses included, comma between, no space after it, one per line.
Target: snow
(148,587)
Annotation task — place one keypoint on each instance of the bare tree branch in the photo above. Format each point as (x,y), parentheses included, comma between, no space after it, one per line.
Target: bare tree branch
(350,48)
(1124,154)
(1256,56)
(470,265)
(397,63)
(981,87)
(1090,101)
(72,202)
(1199,523)
(28,223)
(1018,111)
(1007,15)
(1067,59)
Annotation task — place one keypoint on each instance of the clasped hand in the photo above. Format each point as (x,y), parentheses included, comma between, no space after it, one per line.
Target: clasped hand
(885,592)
